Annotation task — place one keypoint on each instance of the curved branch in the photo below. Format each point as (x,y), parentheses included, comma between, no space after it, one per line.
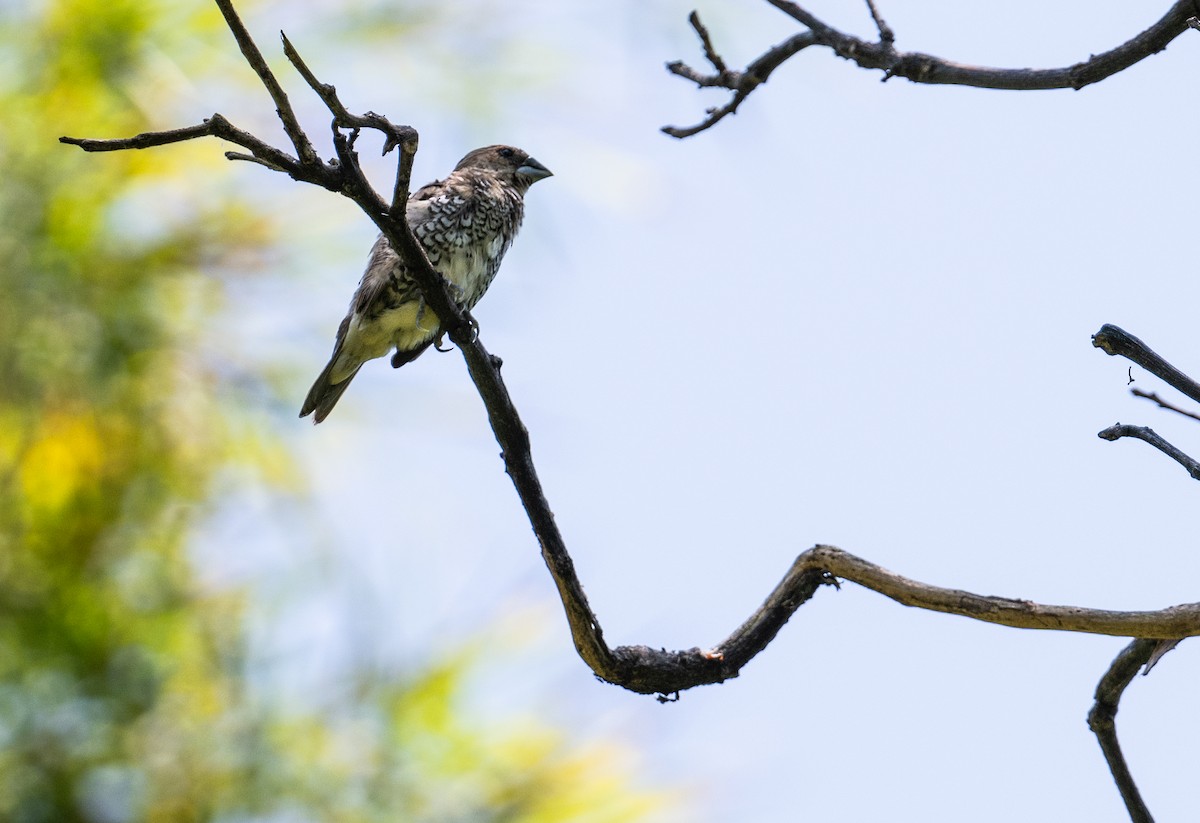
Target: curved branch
(1102,722)
(404,137)
(638,668)
(647,670)
(283,108)
(925,68)
(1148,435)
(1115,341)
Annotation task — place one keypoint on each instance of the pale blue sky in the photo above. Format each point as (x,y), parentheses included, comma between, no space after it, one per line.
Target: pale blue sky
(855,313)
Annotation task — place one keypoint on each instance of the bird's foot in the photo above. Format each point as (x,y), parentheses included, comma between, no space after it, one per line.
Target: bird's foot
(473,323)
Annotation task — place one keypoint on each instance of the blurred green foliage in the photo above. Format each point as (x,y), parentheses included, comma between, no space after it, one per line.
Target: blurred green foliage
(122,680)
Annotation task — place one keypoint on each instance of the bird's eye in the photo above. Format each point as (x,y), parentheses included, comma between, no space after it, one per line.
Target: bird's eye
(506,152)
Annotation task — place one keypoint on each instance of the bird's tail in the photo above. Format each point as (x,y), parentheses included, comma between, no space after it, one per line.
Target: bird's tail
(324,394)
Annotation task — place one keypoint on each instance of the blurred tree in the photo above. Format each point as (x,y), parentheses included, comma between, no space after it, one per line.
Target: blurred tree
(122,688)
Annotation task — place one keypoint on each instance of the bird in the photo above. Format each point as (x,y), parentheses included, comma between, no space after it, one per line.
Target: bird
(465,223)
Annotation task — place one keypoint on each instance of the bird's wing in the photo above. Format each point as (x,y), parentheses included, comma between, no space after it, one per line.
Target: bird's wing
(340,340)
(382,262)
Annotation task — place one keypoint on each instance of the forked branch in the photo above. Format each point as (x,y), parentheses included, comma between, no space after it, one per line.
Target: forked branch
(638,668)
(1102,721)
(1115,341)
(641,668)
(881,54)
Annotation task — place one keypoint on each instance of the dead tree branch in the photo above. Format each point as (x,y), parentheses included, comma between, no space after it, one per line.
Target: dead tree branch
(914,66)
(1114,341)
(1102,721)
(1148,435)
(658,671)
(638,668)
(1163,404)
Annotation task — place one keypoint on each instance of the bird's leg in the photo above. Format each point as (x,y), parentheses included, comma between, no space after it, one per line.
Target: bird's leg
(421,313)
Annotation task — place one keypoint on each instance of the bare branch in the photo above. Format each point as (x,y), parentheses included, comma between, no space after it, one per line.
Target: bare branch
(886,35)
(740,82)
(1114,341)
(145,140)
(325,91)
(1163,404)
(217,126)
(710,53)
(925,68)
(358,188)
(283,108)
(648,670)
(250,158)
(638,668)
(1148,435)
(1102,721)
(404,137)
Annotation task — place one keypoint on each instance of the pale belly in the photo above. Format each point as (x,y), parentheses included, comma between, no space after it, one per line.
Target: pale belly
(412,325)
(405,327)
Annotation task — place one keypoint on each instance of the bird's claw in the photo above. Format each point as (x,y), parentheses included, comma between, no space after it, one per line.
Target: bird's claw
(437,342)
(473,323)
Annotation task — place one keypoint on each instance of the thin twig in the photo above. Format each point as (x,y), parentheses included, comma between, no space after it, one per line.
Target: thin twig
(254,58)
(706,43)
(1153,396)
(325,91)
(741,82)
(145,140)
(403,185)
(250,158)
(1148,435)
(927,69)
(1102,721)
(886,35)
(404,137)
(217,126)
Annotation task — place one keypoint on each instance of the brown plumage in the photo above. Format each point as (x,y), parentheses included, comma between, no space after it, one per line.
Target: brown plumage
(466,223)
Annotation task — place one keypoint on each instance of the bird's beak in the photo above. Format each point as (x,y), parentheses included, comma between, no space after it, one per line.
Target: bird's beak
(533,171)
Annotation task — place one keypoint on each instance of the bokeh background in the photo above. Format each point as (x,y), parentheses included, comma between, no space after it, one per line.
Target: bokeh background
(856,313)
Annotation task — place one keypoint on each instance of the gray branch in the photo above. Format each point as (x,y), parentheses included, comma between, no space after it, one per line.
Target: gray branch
(1102,722)
(1148,435)
(915,66)
(1116,342)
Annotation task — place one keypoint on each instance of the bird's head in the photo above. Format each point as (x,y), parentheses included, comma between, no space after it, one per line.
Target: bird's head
(510,164)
